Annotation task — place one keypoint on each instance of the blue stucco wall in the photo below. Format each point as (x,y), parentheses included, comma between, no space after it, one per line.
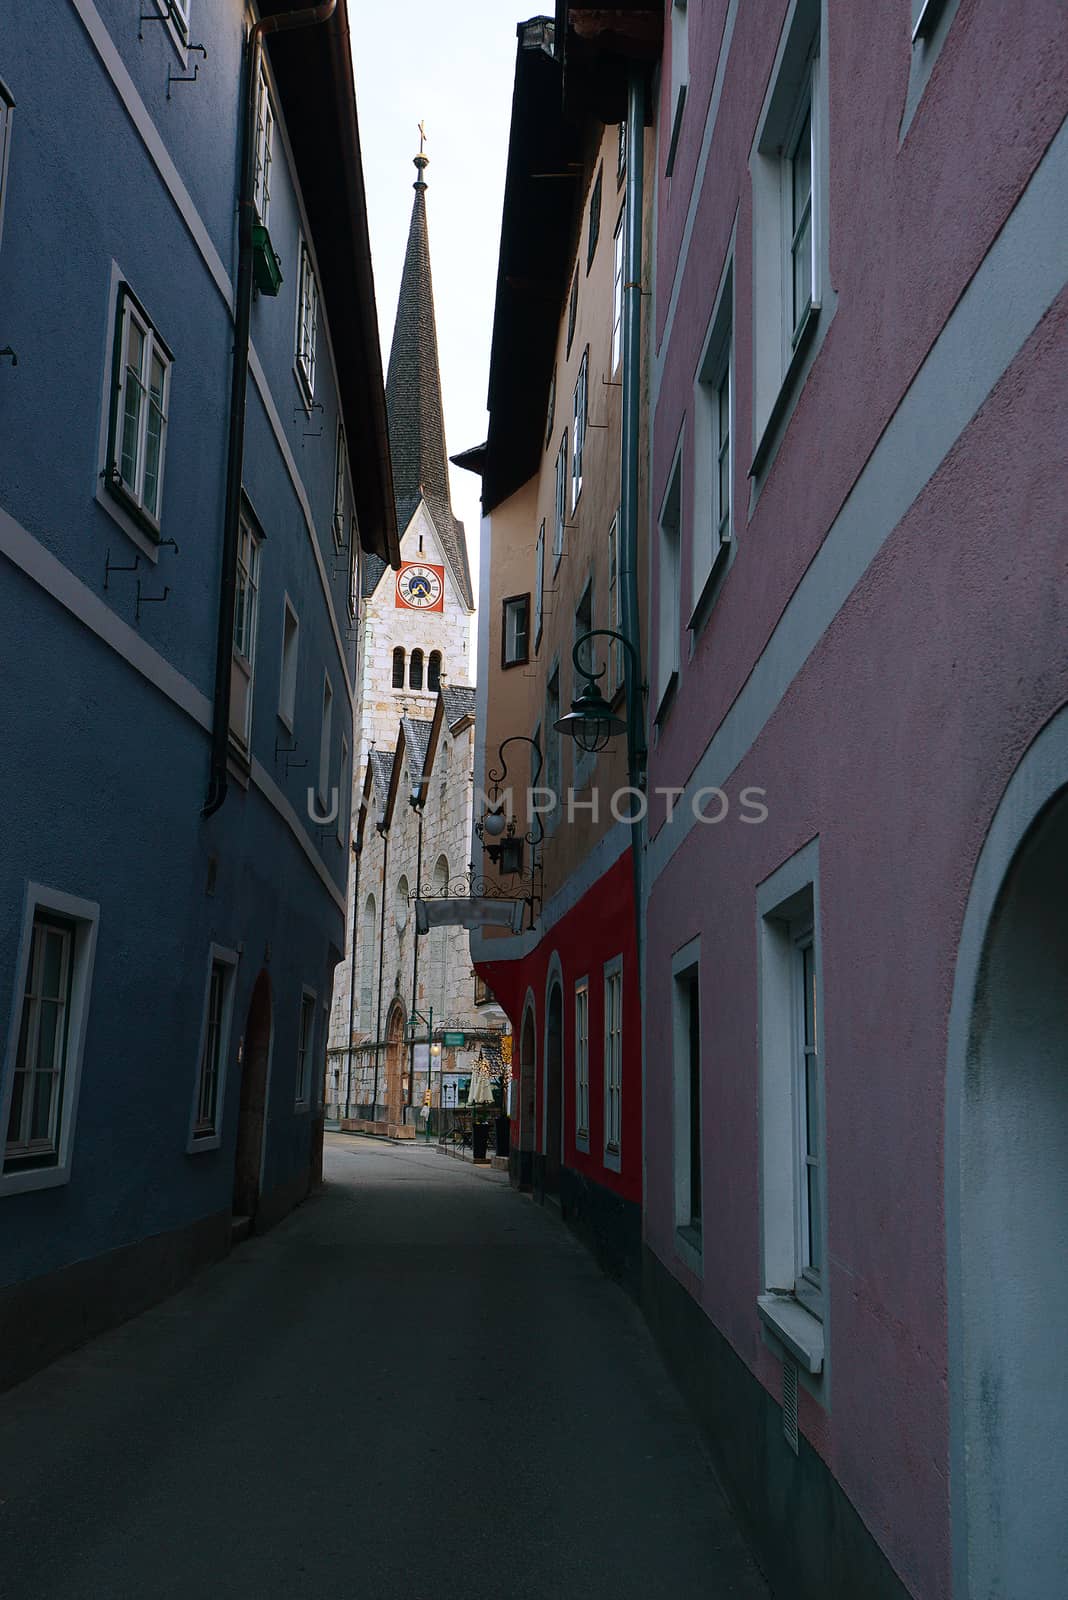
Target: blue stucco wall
(104,774)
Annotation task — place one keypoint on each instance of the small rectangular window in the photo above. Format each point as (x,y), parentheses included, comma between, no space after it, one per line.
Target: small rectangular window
(584,625)
(791,1035)
(687,1075)
(669,620)
(40,1075)
(354,567)
(515,633)
(326,729)
(287,689)
(264,153)
(307,323)
(621,151)
(551,776)
(7,112)
(561,503)
(539,584)
(305,1046)
(572,312)
(41,1057)
(579,409)
(137,437)
(582,1064)
(714,442)
(613,1062)
(206,1130)
(246,607)
(339,488)
(680,77)
(618,249)
(550,410)
(594,232)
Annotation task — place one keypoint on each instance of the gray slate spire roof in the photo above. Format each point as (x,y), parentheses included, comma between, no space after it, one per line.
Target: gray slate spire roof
(413,404)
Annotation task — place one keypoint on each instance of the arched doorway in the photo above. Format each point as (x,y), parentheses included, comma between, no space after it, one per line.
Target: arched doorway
(554,1099)
(521,1158)
(1007,1217)
(395,1064)
(255,1060)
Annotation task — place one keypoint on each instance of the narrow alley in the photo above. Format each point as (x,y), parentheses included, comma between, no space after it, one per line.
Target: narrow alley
(419,1384)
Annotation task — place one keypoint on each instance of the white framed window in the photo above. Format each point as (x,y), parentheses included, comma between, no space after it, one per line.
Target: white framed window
(343,794)
(686,1061)
(305,1049)
(205,1130)
(307,322)
(613,1062)
(789,167)
(264,152)
(7,113)
(137,436)
(561,503)
(179,10)
(680,76)
(930,21)
(615,609)
(584,762)
(579,408)
(354,567)
(326,731)
(792,1109)
(51,987)
(669,620)
(714,443)
(618,256)
(582,1064)
(246,612)
(515,631)
(539,585)
(339,488)
(287,687)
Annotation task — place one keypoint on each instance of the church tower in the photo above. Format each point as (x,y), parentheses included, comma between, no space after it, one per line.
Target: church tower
(415,624)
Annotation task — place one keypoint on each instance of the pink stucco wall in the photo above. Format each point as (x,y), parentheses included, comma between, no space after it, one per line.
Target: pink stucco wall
(896,740)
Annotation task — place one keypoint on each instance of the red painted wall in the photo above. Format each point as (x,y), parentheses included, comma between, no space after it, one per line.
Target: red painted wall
(599,927)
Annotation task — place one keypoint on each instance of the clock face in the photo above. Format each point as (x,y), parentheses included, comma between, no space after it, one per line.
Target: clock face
(420,587)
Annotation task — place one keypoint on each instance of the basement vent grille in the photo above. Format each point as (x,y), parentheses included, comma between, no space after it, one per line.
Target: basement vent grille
(789,1403)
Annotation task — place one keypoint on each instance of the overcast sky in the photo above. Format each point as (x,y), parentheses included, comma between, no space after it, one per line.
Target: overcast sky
(452,67)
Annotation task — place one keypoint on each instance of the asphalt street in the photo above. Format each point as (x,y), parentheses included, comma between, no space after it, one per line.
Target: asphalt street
(418,1385)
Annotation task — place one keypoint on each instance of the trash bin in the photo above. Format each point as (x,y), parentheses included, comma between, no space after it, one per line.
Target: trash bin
(480,1140)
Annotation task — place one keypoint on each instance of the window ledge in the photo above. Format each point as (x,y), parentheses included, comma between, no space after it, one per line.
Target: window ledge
(709,587)
(794,1327)
(786,396)
(667,698)
(688,1246)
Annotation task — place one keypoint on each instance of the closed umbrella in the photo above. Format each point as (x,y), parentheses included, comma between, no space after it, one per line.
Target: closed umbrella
(481,1091)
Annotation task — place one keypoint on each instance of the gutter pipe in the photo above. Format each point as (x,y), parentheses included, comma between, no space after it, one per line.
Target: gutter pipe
(309,16)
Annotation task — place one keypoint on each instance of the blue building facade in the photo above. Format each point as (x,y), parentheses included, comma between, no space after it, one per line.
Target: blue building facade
(177,682)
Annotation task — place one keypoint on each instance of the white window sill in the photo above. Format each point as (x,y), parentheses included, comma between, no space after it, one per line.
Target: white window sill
(19,1180)
(666,698)
(688,1247)
(148,547)
(612,1158)
(788,391)
(204,1141)
(582,1142)
(794,1327)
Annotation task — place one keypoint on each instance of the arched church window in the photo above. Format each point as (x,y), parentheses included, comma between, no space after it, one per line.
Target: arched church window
(415,670)
(433,671)
(398,667)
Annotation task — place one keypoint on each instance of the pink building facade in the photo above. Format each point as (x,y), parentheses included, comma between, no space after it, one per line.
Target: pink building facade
(855,934)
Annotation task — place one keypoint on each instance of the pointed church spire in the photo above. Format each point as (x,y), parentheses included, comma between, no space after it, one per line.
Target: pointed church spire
(413,395)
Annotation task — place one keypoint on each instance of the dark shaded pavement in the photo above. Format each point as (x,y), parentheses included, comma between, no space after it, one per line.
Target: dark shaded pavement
(418,1385)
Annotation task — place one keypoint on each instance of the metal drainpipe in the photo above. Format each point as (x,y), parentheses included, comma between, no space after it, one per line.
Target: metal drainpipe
(631,442)
(220,723)
(415,960)
(381,968)
(352,976)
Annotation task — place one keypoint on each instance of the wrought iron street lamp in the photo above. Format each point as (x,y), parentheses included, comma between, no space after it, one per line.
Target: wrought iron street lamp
(591,722)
